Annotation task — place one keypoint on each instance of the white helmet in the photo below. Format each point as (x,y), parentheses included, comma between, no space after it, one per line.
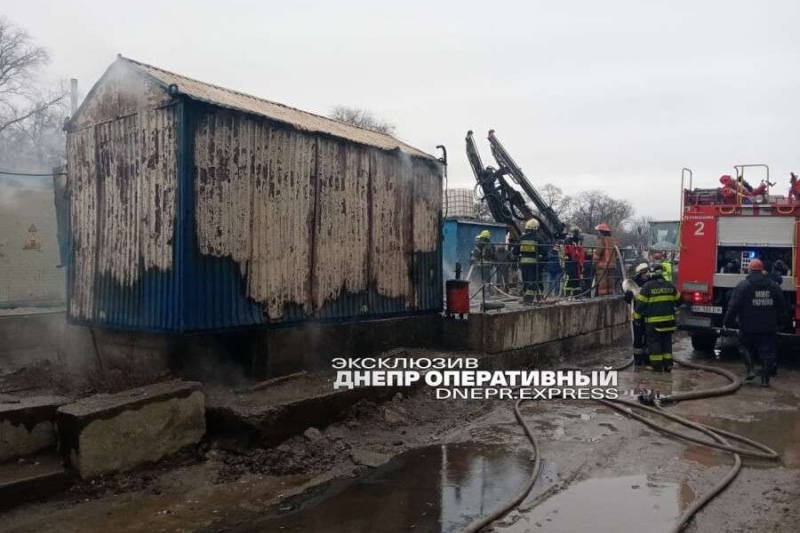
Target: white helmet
(641,268)
(532,224)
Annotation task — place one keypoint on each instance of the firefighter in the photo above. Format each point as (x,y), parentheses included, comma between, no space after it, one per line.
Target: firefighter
(483,255)
(640,277)
(794,189)
(758,304)
(531,256)
(666,265)
(605,261)
(587,277)
(573,262)
(655,304)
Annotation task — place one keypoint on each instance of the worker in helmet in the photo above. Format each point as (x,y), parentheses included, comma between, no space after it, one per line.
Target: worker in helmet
(794,188)
(483,257)
(573,262)
(605,261)
(655,304)
(757,302)
(640,277)
(532,255)
(666,265)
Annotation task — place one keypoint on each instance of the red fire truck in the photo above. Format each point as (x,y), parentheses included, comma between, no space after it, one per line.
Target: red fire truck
(722,230)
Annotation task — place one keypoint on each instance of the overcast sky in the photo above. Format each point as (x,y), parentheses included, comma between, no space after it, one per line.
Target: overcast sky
(612,94)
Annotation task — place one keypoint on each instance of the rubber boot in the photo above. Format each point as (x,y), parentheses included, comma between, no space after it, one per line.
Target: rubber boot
(748,363)
(765,379)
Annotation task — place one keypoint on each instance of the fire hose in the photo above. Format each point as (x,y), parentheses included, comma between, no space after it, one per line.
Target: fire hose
(719,441)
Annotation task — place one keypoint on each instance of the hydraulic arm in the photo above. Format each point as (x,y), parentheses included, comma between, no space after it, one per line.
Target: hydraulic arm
(551,224)
(507,204)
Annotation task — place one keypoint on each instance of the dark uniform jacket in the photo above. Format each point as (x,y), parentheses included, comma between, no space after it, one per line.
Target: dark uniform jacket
(531,249)
(655,304)
(482,252)
(758,303)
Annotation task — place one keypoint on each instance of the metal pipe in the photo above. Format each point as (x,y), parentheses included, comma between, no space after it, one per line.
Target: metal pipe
(73,96)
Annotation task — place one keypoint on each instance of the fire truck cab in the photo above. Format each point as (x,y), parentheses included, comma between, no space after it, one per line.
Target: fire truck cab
(722,230)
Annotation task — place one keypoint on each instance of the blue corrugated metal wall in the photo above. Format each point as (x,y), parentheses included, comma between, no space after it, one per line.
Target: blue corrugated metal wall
(459,239)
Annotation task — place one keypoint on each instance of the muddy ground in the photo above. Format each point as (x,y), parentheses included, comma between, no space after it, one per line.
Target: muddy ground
(421,464)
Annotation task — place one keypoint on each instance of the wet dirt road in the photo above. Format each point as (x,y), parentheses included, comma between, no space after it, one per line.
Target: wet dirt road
(418,464)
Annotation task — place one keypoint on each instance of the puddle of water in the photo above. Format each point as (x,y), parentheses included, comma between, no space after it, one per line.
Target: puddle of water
(620,504)
(780,430)
(437,489)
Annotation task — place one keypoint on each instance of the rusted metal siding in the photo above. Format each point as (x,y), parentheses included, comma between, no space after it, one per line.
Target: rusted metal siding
(318,227)
(122,91)
(83,222)
(254,203)
(341,239)
(391,226)
(189,216)
(123,177)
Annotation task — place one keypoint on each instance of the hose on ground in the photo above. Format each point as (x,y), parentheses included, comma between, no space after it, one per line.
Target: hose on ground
(508,506)
(626,407)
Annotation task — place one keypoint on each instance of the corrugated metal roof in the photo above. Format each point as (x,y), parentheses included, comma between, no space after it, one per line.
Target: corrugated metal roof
(302,120)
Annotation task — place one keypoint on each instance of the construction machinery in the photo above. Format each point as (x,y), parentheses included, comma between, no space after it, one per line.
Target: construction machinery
(722,230)
(507,204)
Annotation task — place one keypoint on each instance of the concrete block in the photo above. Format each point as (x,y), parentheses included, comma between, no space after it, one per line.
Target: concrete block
(39,476)
(28,425)
(117,432)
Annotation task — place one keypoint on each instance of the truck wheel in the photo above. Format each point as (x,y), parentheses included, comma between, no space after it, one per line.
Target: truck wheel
(704,343)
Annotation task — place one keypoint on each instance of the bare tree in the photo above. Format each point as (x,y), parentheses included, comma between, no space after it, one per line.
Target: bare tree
(31,114)
(363,118)
(639,230)
(591,208)
(21,96)
(554,196)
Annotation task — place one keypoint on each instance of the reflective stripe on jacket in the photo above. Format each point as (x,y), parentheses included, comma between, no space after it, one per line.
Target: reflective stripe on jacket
(656,302)
(530,249)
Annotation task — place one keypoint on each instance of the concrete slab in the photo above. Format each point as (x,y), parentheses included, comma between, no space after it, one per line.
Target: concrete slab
(36,477)
(268,416)
(116,432)
(27,425)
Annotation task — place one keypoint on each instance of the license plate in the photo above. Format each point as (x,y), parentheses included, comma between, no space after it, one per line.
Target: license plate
(710,309)
(696,321)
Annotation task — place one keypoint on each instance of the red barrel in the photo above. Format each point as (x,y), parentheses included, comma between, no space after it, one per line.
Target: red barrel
(457,296)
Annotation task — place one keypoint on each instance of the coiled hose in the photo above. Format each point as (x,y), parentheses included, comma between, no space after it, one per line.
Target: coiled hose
(626,407)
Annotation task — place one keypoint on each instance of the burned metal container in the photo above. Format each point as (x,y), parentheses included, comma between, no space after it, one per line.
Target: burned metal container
(197,208)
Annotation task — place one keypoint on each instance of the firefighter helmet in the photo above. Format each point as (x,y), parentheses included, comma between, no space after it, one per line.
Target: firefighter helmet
(641,268)
(755,266)
(575,229)
(656,269)
(532,224)
(602,227)
(485,234)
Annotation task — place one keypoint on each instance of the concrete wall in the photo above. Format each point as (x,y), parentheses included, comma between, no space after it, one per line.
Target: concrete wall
(29,253)
(313,346)
(514,330)
(113,360)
